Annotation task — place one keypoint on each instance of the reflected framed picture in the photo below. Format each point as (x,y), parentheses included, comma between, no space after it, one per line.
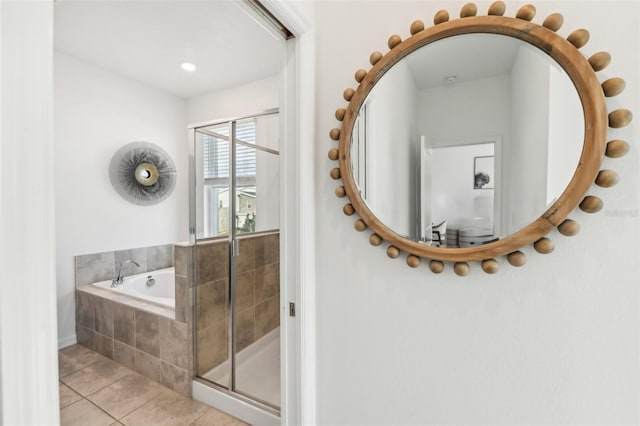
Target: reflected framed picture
(483,173)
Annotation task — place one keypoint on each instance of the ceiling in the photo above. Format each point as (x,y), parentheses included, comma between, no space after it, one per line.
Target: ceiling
(148,40)
(467,57)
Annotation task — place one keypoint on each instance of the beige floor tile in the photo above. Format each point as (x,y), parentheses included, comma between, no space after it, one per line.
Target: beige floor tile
(84,413)
(95,377)
(75,358)
(67,395)
(169,409)
(217,418)
(127,394)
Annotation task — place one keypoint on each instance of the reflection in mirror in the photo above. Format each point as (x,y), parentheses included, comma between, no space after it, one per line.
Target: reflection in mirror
(455,105)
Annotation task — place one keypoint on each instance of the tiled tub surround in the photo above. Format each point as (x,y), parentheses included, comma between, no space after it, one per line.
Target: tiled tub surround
(257,295)
(93,268)
(146,337)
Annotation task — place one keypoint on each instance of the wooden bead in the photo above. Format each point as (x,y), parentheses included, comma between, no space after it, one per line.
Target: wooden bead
(340,112)
(526,12)
(360,225)
(591,204)
(440,17)
(617,148)
(553,22)
(517,258)
(579,38)
(497,8)
(607,178)
(393,252)
(436,266)
(490,266)
(468,10)
(348,94)
(413,261)
(334,134)
(569,228)
(394,40)
(360,75)
(340,192)
(461,269)
(348,210)
(613,87)
(333,154)
(335,173)
(600,61)
(416,27)
(544,245)
(375,58)
(620,118)
(375,240)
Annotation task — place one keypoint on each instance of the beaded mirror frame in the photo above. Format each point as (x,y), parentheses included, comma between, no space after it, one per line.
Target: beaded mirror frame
(592,93)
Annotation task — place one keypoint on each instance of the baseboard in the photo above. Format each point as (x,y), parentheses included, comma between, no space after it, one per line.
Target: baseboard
(67,341)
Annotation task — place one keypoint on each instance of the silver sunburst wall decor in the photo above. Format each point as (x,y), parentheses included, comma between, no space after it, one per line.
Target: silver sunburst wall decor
(142,173)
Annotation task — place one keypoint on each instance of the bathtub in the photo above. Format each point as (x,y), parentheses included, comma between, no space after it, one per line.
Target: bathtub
(161,293)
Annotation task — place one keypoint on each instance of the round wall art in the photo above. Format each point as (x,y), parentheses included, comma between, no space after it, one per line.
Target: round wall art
(142,173)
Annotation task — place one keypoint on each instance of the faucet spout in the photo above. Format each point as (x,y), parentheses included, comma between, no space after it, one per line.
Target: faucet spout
(119,278)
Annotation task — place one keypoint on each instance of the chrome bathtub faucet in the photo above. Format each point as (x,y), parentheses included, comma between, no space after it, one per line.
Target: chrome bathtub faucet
(119,278)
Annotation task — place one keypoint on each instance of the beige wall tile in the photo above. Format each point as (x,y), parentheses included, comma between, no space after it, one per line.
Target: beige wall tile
(212,346)
(182,298)
(93,268)
(148,365)
(267,279)
(212,303)
(124,354)
(85,336)
(174,342)
(85,310)
(267,250)
(124,323)
(245,324)
(246,260)
(175,378)
(159,257)
(147,332)
(104,316)
(182,261)
(267,316)
(213,261)
(104,345)
(245,290)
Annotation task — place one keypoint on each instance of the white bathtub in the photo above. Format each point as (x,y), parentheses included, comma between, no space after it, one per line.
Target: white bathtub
(163,292)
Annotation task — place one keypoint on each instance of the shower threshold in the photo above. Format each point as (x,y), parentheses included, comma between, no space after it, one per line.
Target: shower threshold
(257,369)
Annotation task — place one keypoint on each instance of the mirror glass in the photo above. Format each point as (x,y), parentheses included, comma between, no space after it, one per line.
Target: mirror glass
(467,140)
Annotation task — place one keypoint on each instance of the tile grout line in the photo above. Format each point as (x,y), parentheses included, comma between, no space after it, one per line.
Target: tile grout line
(100,408)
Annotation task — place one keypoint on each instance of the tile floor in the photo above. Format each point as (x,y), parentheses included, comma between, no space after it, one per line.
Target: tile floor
(95,391)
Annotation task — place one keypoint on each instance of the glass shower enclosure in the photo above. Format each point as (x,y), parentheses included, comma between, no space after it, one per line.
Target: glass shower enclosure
(236,197)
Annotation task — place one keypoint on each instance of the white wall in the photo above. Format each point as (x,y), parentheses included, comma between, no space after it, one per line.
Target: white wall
(528,148)
(555,341)
(392,148)
(96,113)
(234,102)
(28,362)
(453,197)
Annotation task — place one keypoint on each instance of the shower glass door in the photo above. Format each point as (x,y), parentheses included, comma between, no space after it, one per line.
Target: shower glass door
(237,265)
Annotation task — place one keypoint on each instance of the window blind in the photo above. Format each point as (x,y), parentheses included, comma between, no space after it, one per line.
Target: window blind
(216,152)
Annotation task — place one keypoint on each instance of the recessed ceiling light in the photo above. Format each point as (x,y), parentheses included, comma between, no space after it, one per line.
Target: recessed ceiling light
(188,66)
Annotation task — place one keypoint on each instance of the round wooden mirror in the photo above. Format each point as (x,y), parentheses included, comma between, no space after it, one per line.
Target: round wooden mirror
(591,93)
